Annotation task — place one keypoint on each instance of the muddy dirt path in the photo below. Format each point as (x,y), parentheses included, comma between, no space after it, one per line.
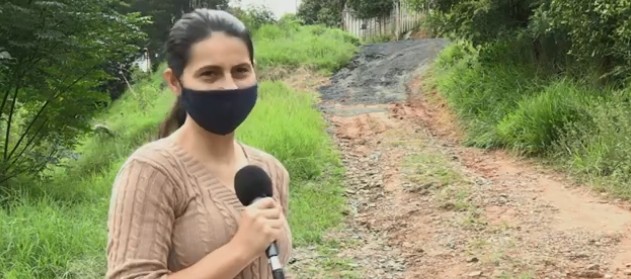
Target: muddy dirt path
(424,206)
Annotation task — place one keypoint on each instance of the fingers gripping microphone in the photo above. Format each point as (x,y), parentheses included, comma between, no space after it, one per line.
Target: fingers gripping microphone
(252,183)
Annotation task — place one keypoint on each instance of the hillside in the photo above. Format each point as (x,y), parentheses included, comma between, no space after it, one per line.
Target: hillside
(58,230)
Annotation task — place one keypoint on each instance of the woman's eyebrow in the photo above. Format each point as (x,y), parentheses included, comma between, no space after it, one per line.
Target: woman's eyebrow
(244,64)
(206,68)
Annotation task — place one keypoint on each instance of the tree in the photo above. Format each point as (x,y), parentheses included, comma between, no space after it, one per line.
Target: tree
(594,34)
(365,9)
(598,32)
(479,21)
(163,14)
(54,58)
(253,17)
(327,12)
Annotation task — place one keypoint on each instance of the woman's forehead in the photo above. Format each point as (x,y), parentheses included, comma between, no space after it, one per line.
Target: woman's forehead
(219,50)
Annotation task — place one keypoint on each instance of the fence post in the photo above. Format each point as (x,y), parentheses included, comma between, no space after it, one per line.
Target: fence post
(396,13)
(400,21)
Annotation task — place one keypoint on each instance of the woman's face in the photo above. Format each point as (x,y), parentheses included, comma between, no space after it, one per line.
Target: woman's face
(218,62)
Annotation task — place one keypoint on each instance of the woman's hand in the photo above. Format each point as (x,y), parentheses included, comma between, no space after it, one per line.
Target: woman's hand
(261,224)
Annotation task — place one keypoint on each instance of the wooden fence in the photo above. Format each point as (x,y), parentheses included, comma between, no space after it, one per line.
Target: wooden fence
(401,20)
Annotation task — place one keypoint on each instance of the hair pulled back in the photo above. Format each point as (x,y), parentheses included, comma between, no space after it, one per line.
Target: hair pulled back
(192,28)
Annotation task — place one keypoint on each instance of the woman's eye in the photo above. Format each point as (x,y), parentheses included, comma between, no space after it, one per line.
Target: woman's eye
(241,72)
(209,74)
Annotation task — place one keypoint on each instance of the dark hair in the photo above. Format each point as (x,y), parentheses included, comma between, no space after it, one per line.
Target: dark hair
(192,28)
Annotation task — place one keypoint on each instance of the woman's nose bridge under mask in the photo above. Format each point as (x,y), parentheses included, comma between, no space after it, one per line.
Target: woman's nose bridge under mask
(227,82)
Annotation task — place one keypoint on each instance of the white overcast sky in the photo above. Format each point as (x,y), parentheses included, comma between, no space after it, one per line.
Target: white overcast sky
(278,7)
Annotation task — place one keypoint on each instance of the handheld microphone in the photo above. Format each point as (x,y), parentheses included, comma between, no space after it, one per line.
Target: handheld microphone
(250,184)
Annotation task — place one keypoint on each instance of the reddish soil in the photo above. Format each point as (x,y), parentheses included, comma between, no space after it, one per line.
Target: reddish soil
(449,211)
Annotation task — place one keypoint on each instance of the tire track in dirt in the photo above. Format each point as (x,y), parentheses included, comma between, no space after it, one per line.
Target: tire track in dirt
(424,206)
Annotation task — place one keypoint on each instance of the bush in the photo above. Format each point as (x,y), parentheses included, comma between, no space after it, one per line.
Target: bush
(506,100)
(540,120)
(602,146)
(481,94)
(591,36)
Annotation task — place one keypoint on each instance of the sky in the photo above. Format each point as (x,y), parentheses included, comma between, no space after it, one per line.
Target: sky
(278,7)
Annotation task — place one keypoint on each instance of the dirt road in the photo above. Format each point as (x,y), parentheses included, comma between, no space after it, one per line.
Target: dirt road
(424,206)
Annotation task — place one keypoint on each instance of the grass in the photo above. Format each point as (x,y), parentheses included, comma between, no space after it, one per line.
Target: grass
(57,228)
(315,47)
(506,101)
(301,143)
(430,172)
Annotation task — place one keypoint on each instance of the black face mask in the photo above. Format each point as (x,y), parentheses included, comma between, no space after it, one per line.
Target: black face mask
(219,111)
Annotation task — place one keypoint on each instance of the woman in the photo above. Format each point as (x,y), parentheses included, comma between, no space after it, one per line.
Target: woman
(174,213)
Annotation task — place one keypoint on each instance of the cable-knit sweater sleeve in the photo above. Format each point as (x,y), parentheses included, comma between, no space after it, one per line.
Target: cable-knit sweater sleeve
(140,222)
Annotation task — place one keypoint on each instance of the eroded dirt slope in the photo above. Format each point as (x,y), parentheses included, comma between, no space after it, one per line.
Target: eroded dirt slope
(424,206)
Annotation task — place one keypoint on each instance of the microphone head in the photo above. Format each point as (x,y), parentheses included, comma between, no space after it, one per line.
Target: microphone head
(250,183)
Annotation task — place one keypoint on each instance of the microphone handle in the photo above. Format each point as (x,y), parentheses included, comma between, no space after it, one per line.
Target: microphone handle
(272,250)
(274,261)
(272,258)
(278,274)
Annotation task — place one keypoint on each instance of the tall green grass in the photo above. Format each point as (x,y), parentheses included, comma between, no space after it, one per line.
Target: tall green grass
(314,46)
(505,101)
(287,125)
(57,228)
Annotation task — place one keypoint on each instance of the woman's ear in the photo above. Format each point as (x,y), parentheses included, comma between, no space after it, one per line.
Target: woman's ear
(172,81)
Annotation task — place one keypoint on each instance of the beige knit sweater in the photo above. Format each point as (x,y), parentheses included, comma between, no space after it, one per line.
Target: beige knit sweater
(168,211)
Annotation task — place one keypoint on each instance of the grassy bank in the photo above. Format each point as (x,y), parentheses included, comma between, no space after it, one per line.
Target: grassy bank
(503,100)
(57,229)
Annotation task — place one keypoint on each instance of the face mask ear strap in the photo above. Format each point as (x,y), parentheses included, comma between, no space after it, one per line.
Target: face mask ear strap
(181,112)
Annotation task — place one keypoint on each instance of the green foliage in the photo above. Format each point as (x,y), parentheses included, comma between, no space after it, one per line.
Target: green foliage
(41,239)
(57,229)
(326,12)
(599,32)
(540,120)
(369,9)
(304,147)
(57,51)
(546,77)
(211,4)
(478,21)
(508,104)
(602,147)
(481,93)
(506,101)
(329,12)
(283,137)
(254,17)
(315,47)
(162,14)
(564,34)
